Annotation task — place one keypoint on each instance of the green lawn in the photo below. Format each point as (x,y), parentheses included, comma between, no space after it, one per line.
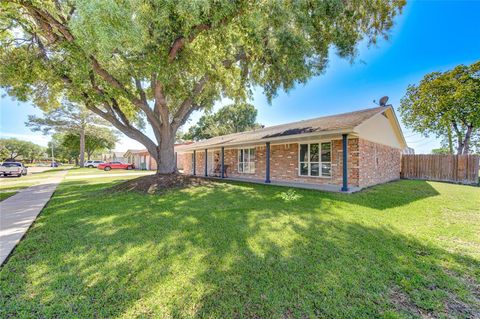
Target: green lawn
(13,182)
(95,171)
(227,250)
(6,194)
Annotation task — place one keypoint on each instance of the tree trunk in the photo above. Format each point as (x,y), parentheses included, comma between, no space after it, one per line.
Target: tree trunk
(165,153)
(89,154)
(466,141)
(450,140)
(82,147)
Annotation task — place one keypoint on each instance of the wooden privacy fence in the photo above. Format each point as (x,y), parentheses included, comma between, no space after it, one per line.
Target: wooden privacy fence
(447,168)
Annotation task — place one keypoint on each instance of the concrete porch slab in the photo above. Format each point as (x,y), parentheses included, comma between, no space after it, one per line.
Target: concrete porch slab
(325,188)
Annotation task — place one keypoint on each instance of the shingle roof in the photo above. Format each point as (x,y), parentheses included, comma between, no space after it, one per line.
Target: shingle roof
(320,125)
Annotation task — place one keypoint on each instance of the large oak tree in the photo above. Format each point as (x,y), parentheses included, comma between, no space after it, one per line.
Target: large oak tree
(129,60)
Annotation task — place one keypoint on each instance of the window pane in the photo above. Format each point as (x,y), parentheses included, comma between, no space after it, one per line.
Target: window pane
(314,169)
(240,167)
(240,155)
(252,167)
(252,154)
(326,152)
(303,169)
(314,152)
(303,152)
(246,168)
(326,156)
(326,146)
(326,169)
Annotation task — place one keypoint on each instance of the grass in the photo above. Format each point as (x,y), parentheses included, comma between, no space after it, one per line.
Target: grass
(96,171)
(400,250)
(13,182)
(5,195)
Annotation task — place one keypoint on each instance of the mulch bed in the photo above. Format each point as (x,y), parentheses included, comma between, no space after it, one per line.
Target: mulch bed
(159,183)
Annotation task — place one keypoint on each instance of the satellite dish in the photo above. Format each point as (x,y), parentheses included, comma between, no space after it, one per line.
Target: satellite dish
(383,101)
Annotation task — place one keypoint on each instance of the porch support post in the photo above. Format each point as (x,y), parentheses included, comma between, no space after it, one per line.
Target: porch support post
(267,162)
(206,162)
(194,162)
(223,162)
(345,162)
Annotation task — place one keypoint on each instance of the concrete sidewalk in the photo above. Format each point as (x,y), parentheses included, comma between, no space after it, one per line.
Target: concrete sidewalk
(17,213)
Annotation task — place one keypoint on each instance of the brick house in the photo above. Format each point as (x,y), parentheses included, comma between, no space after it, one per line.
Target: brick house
(141,159)
(144,161)
(310,152)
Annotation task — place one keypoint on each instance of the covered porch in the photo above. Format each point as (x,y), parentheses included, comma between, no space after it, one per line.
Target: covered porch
(278,163)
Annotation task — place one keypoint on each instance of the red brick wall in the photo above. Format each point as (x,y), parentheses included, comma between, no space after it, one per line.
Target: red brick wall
(284,163)
(378,163)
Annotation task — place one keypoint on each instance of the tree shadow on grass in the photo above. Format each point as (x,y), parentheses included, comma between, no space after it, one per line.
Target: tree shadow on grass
(224,250)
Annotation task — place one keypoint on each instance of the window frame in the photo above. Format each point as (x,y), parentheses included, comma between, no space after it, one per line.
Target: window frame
(250,171)
(320,162)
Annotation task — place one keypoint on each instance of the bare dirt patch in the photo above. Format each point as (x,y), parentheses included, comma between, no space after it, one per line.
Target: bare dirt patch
(159,183)
(403,303)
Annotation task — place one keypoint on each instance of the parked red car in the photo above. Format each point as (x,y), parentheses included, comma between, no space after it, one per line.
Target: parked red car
(115,165)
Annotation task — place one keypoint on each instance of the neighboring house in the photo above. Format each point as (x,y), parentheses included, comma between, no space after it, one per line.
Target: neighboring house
(114,157)
(309,151)
(143,160)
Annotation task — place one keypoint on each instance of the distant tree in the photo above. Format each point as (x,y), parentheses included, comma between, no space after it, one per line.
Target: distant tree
(35,152)
(103,139)
(441,151)
(475,142)
(12,148)
(162,60)
(445,104)
(68,118)
(62,153)
(229,119)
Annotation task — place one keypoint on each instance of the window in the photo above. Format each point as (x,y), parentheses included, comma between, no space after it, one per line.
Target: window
(315,159)
(246,160)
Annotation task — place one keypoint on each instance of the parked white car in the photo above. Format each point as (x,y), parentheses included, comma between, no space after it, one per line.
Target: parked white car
(13,168)
(92,164)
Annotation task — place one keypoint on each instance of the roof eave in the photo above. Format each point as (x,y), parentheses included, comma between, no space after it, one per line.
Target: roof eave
(279,139)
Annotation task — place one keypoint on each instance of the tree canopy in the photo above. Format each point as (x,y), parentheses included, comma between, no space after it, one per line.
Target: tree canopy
(13,149)
(161,60)
(445,104)
(232,118)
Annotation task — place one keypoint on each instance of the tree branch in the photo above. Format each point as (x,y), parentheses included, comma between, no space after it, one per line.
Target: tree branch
(140,90)
(185,108)
(160,106)
(179,42)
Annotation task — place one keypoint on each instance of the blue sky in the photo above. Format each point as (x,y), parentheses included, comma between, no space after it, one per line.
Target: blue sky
(429,36)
